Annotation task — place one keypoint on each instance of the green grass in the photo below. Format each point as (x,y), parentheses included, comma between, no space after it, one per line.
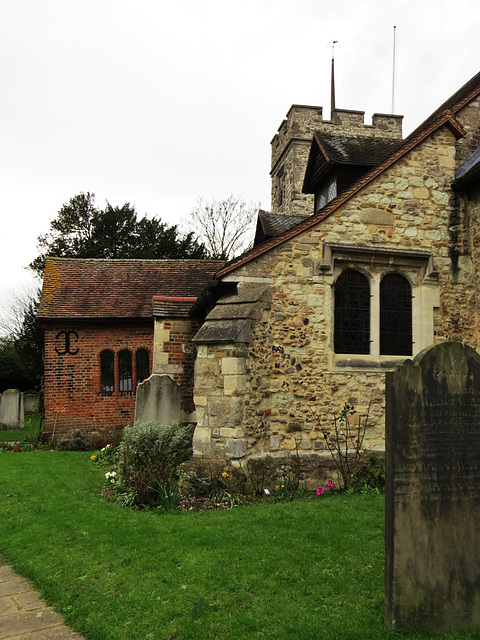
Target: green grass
(32,425)
(310,569)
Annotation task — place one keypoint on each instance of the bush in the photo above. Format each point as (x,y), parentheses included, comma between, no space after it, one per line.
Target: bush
(74,440)
(148,459)
(369,474)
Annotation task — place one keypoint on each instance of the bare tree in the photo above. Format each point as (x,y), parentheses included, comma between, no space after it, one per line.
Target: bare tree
(14,307)
(225,227)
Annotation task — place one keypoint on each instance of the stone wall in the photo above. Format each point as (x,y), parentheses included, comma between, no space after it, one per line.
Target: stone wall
(291,149)
(73,396)
(220,392)
(412,223)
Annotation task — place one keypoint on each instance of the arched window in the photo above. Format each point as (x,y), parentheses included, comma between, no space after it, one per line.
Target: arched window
(107,375)
(352,313)
(125,371)
(143,365)
(395,316)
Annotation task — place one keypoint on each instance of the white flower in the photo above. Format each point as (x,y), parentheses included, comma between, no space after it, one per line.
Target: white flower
(267,492)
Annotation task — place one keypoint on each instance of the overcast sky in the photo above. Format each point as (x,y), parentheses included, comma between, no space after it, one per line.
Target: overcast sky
(156,102)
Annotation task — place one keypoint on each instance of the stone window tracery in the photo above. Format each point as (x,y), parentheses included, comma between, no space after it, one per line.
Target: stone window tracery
(356,310)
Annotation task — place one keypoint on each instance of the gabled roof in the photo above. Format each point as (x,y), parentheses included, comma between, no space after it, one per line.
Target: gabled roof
(271,225)
(94,289)
(354,150)
(445,119)
(330,150)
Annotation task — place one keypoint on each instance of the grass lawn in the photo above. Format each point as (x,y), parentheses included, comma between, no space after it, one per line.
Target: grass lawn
(310,569)
(32,425)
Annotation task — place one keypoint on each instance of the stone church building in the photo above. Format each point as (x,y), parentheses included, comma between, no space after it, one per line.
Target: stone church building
(370,255)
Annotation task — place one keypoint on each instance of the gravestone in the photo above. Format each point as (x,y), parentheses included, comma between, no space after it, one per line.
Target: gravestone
(11,409)
(432,566)
(158,398)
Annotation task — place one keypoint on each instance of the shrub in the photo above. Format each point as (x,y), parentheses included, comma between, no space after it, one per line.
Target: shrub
(74,440)
(369,474)
(148,459)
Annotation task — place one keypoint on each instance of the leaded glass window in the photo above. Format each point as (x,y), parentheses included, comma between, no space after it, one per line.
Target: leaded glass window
(107,375)
(125,371)
(395,316)
(352,313)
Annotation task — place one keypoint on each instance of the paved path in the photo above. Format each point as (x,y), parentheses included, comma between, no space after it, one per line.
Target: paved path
(23,616)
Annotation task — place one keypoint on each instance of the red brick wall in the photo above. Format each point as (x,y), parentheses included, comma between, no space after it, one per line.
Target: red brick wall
(73,396)
(181,351)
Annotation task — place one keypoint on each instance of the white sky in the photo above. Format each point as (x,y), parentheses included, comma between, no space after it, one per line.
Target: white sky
(157,102)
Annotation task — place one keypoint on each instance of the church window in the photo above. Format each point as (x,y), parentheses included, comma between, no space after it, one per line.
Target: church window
(352,313)
(395,316)
(107,374)
(125,371)
(143,365)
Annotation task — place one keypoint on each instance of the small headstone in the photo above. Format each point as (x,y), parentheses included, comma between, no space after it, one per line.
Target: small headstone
(433,491)
(11,409)
(31,402)
(158,398)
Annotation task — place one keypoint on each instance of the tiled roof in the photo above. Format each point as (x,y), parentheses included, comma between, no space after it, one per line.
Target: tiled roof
(273,224)
(173,306)
(118,289)
(339,149)
(446,119)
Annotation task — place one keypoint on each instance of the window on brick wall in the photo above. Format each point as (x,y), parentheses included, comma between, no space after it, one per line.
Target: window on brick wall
(143,365)
(107,374)
(125,378)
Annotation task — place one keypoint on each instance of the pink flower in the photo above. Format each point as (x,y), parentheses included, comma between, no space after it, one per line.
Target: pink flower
(320,491)
(330,485)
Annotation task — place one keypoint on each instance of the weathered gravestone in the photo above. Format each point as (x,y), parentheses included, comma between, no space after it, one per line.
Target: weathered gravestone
(12,409)
(158,398)
(433,490)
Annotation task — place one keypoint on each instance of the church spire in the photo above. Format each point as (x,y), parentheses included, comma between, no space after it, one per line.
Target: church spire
(332,86)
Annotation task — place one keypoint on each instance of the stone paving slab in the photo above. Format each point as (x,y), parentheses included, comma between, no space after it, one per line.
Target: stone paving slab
(24,615)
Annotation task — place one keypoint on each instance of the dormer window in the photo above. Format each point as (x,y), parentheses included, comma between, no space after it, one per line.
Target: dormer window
(327,193)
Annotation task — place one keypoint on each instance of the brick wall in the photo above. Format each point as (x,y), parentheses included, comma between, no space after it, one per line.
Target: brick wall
(174,355)
(73,397)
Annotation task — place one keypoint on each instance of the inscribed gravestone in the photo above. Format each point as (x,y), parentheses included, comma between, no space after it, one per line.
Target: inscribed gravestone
(158,398)
(433,490)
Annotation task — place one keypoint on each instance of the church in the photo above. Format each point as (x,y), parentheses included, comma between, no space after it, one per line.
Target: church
(369,255)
